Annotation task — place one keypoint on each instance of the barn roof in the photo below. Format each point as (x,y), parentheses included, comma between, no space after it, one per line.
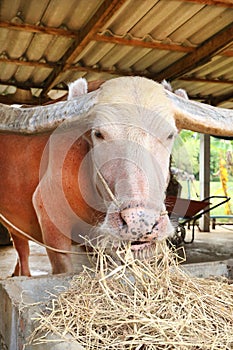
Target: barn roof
(48,43)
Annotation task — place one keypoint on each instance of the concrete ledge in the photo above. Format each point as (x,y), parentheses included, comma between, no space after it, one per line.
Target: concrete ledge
(16,322)
(210,269)
(16,319)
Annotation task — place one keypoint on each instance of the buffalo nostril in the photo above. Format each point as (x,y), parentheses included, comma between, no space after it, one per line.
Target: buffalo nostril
(155,224)
(123,222)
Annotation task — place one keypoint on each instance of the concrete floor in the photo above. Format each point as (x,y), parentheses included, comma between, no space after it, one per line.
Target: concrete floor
(38,261)
(215,245)
(207,246)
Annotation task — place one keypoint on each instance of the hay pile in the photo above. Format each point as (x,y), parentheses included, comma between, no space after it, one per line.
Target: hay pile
(141,305)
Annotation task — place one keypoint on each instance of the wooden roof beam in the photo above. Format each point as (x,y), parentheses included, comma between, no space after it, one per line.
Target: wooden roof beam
(140,43)
(27,85)
(21,62)
(206,80)
(201,55)
(149,44)
(34,101)
(224,3)
(30,28)
(100,17)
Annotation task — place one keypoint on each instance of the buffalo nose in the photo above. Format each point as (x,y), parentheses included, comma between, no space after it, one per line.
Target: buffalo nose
(137,221)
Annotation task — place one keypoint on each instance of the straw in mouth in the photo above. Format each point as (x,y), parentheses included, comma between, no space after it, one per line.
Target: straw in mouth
(140,245)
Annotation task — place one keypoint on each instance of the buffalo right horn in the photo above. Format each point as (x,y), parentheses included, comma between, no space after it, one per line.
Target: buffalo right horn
(200,117)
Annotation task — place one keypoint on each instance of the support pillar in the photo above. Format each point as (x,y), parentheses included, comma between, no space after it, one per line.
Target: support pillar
(204,174)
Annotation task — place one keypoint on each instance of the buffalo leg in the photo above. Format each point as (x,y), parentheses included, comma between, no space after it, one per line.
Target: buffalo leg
(61,262)
(53,237)
(22,247)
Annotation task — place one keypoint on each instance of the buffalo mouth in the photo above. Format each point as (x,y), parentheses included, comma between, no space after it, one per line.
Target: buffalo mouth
(140,245)
(143,250)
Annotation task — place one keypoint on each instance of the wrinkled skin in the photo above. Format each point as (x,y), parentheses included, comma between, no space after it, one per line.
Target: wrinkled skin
(50,187)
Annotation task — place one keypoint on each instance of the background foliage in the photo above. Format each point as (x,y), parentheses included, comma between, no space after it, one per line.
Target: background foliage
(185,156)
(220,149)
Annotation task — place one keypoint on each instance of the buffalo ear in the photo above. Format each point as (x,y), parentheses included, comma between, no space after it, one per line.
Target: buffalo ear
(179,92)
(77,88)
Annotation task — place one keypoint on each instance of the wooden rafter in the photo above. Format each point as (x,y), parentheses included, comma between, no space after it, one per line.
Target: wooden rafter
(224,3)
(20,62)
(201,55)
(30,28)
(206,80)
(227,53)
(141,43)
(149,44)
(34,101)
(100,17)
(26,85)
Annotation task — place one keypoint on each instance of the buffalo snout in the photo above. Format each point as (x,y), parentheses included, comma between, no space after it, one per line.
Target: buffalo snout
(140,224)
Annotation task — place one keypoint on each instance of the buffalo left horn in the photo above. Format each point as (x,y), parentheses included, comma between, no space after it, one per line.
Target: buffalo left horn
(43,119)
(200,117)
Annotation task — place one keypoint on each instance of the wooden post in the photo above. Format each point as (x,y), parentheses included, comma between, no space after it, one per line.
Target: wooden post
(204,174)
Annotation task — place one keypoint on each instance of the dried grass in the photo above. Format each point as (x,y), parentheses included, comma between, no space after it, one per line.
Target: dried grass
(144,305)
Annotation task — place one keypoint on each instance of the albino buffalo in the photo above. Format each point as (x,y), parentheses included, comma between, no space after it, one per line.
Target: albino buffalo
(95,166)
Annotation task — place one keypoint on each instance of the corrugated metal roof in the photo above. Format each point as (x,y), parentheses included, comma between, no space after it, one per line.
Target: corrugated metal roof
(46,43)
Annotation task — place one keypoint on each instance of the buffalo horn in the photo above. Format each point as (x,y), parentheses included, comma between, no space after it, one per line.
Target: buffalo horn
(43,119)
(200,117)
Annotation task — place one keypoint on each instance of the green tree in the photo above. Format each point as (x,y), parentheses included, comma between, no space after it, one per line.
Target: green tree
(219,149)
(186,152)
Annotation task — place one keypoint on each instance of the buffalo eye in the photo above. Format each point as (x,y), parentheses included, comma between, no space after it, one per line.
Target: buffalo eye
(170,136)
(98,135)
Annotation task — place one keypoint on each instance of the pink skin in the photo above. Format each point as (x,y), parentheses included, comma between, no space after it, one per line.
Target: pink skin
(139,225)
(139,218)
(22,248)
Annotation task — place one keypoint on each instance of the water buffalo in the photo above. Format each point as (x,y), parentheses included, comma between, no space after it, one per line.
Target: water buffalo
(94,166)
